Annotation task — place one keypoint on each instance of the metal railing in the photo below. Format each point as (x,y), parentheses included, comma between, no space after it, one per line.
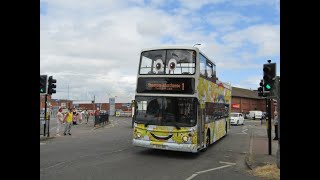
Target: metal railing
(101,119)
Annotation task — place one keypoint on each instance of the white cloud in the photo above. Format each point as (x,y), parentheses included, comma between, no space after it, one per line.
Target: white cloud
(193,5)
(236,65)
(251,82)
(251,2)
(265,37)
(94,46)
(225,21)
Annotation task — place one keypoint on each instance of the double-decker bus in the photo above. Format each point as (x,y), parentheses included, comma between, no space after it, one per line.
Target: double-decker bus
(180,104)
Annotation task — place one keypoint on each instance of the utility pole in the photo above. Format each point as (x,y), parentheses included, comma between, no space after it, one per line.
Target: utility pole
(68,91)
(269,126)
(93,102)
(45,115)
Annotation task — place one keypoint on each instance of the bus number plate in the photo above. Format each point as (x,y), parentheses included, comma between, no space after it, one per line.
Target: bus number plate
(159,146)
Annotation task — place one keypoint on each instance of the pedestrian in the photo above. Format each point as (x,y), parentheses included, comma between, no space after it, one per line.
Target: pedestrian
(86,115)
(68,121)
(276,121)
(59,120)
(79,117)
(74,117)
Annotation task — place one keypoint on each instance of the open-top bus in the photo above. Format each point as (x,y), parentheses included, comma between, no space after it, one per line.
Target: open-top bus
(180,104)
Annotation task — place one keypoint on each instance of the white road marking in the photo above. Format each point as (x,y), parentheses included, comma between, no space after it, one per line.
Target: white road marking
(200,172)
(243,131)
(191,177)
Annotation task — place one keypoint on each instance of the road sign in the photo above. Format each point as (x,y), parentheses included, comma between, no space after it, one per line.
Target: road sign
(128,105)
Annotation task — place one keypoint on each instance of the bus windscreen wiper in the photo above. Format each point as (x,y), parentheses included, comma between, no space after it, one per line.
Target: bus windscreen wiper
(176,125)
(146,124)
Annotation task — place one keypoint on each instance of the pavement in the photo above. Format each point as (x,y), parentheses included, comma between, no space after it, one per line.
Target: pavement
(74,129)
(108,153)
(259,147)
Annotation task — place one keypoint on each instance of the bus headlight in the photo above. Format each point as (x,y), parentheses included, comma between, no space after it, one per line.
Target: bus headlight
(139,135)
(185,138)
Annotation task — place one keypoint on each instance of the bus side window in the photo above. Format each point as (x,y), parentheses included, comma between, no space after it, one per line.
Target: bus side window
(202,66)
(214,76)
(209,70)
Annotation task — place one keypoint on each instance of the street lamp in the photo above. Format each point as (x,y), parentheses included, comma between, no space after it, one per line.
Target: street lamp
(196,44)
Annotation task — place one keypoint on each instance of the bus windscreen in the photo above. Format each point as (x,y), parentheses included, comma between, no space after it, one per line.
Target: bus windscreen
(170,111)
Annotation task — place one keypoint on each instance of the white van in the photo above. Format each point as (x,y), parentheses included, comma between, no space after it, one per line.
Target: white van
(255,114)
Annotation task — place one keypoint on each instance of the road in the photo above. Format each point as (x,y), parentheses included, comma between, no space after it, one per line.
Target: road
(107,153)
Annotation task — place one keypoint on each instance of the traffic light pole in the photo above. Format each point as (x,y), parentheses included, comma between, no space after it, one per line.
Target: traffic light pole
(45,115)
(266,110)
(269,81)
(269,126)
(49,124)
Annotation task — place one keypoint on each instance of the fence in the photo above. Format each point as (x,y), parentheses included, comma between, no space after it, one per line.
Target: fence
(123,113)
(102,119)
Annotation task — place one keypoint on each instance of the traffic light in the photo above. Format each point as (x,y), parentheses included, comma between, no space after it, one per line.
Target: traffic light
(43,84)
(51,85)
(269,74)
(260,89)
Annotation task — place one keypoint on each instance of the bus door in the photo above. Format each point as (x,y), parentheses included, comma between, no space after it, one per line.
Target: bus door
(201,125)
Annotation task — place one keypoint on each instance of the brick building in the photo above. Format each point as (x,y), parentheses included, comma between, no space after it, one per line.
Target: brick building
(245,100)
(54,102)
(104,106)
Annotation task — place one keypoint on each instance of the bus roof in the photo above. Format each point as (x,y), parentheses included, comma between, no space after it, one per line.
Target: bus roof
(170,47)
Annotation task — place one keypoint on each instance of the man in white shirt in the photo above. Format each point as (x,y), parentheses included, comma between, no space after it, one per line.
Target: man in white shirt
(59,120)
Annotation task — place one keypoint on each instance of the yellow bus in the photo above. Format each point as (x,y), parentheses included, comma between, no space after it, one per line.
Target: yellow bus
(180,104)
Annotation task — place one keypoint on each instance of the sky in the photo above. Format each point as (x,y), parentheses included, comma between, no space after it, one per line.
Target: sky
(92,47)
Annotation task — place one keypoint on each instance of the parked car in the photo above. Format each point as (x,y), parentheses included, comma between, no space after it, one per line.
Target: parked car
(236,119)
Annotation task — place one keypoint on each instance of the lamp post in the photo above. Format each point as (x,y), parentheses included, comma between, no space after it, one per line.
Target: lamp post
(196,44)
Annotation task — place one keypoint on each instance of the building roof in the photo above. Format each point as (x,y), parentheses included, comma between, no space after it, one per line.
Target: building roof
(245,93)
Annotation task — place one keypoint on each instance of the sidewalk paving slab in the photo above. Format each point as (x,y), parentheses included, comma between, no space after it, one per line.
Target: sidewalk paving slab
(259,150)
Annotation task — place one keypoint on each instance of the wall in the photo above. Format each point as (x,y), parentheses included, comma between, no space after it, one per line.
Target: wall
(247,104)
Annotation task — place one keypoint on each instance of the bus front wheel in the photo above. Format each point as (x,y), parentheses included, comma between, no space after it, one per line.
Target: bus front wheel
(207,142)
